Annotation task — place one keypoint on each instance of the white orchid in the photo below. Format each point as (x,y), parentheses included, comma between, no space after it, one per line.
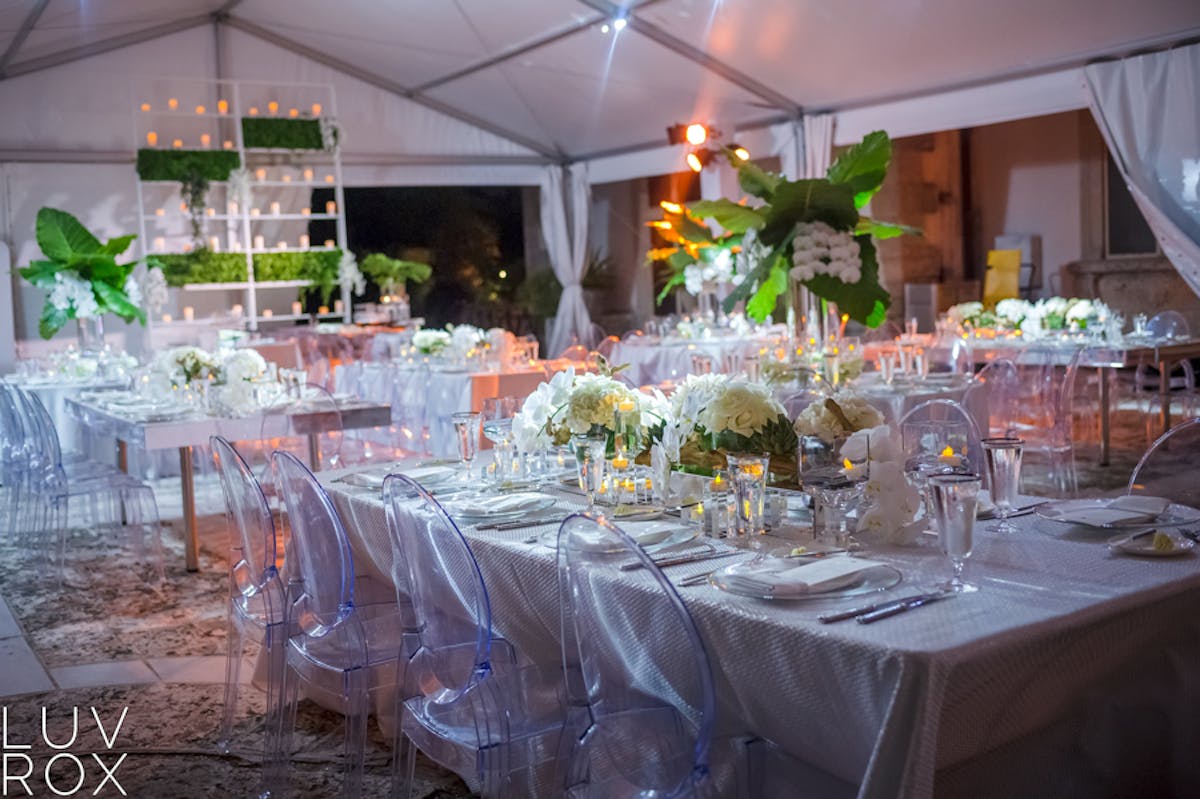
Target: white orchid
(892,501)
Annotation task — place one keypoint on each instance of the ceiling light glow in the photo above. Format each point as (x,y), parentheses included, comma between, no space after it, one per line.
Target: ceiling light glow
(619,24)
(697,134)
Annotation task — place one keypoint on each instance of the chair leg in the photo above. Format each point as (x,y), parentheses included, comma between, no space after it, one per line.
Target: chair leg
(235,640)
(357,707)
(279,735)
(410,767)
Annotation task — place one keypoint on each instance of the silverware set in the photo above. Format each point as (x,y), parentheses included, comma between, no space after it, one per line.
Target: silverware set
(867,614)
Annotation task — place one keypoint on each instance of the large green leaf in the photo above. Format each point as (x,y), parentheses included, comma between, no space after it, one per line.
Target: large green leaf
(40,273)
(62,236)
(692,230)
(883,230)
(96,266)
(865,301)
(730,215)
(680,259)
(115,301)
(120,244)
(51,321)
(675,280)
(757,276)
(808,201)
(756,181)
(762,304)
(864,166)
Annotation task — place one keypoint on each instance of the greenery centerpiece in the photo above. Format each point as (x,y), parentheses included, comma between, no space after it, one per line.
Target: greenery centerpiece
(808,230)
(80,275)
(1032,318)
(392,275)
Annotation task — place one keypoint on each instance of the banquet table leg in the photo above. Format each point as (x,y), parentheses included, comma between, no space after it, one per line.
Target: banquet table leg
(1105,422)
(191,542)
(1164,395)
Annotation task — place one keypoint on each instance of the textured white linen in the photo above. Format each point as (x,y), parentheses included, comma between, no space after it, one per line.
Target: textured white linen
(946,693)
(652,361)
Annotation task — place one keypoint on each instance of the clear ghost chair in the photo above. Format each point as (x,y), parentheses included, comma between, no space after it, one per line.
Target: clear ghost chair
(467,703)
(1168,469)
(1181,380)
(995,392)
(947,410)
(332,640)
(256,592)
(1044,417)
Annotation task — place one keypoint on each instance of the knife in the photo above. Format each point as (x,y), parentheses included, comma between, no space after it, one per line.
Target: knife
(680,560)
(1120,542)
(829,618)
(883,613)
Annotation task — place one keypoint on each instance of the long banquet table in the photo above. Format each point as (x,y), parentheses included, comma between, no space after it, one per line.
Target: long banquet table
(1070,671)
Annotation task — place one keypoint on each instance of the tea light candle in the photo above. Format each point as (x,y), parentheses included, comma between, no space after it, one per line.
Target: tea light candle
(214,244)
(337,306)
(152,139)
(275,209)
(253,111)
(297,308)
(189,313)
(177,144)
(183,208)
(323,309)
(293,112)
(172,104)
(308,174)
(236,310)
(167,318)
(210,211)
(316,109)
(267,313)
(286,178)
(145,107)
(626,406)
(273,107)
(187,247)
(621,462)
(254,212)
(305,211)
(200,110)
(259,242)
(331,207)
(222,106)
(160,244)
(260,174)
(329,178)
(205,140)
(948,458)
(304,240)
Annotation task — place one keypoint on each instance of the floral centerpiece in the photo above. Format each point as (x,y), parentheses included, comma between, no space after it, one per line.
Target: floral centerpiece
(570,404)
(181,365)
(891,502)
(836,417)
(232,378)
(80,275)
(431,342)
(1032,318)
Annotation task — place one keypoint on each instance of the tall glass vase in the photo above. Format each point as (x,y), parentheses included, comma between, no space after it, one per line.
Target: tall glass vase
(806,312)
(91,334)
(707,303)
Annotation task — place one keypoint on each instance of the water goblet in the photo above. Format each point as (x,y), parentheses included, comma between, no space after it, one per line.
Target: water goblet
(498,413)
(590,460)
(1003,457)
(953,497)
(748,473)
(466,431)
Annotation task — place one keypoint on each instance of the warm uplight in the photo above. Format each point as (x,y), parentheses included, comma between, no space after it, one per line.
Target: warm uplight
(661,224)
(694,163)
(741,152)
(696,134)
(671,208)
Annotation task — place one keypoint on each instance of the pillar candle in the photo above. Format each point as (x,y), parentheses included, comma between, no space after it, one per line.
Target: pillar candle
(281,245)
(210,211)
(323,309)
(178,143)
(214,244)
(222,106)
(331,207)
(267,313)
(254,212)
(145,107)
(228,144)
(273,107)
(308,174)
(329,244)
(253,110)
(160,244)
(189,313)
(205,140)
(172,104)
(160,211)
(275,208)
(337,306)
(286,178)
(259,242)
(152,139)
(329,178)
(297,309)
(233,207)
(260,174)
(236,310)
(200,110)
(305,211)
(293,112)
(304,241)
(316,109)
(166,317)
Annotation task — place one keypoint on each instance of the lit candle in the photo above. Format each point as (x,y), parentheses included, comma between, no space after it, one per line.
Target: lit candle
(627,405)
(253,110)
(621,462)
(308,174)
(214,244)
(160,211)
(187,247)
(233,207)
(236,310)
(205,140)
(281,245)
(160,244)
(305,211)
(145,107)
(228,144)
(287,178)
(254,212)
(259,242)
(293,112)
(183,208)
(948,457)
(166,317)
(177,143)
(297,308)
(200,109)
(172,104)
(329,244)
(152,139)
(260,174)
(323,309)
(210,211)
(316,109)
(329,178)
(275,209)
(222,106)
(273,108)
(304,240)
(189,313)
(331,207)
(267,313)
(337,306)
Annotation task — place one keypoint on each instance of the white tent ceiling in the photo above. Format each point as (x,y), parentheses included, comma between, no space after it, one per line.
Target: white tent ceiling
(543,77)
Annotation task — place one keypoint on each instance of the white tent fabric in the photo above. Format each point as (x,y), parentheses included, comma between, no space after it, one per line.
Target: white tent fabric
(567,246)
(1148,108)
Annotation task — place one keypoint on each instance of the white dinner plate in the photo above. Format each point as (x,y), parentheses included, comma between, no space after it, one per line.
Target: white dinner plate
(651,536)
(1093,513)
(880,577)
(1144,546)
(503,508)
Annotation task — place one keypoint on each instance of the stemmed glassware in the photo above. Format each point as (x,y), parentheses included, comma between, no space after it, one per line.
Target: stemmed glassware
(590,459)
(1003,457)
(466,430)
(498,413)
(953,497)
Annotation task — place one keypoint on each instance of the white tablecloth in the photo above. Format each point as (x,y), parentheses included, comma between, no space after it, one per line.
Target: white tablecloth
(653,361)
(1070,672)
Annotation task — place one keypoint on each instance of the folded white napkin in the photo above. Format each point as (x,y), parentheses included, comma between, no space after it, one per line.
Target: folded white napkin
(817,577)
(365,479)
(490,506)
(1122,510)
(650,533)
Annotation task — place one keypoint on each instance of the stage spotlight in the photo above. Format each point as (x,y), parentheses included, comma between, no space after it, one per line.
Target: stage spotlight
(697,134)
(698,159)
(676,134)
(740,152)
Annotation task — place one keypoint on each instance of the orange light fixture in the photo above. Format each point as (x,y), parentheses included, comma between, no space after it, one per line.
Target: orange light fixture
(696,134)
(694,162)
(661,224)
(740,152)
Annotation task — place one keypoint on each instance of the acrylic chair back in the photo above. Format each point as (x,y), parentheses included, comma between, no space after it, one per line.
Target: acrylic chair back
(251,516)
(1168,325)
(936,411)
(995,391)
(637,671)
(1046,395)
(1168,469)
(450,604)
(319,550)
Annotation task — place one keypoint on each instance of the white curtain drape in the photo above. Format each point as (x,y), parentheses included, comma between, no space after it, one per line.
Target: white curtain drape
(818,145)
(787,141)
(1148,108)
(567,247)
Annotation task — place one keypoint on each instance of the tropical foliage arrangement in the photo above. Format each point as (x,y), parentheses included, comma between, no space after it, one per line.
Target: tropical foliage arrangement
(809,229)
(80,274)
(391,273)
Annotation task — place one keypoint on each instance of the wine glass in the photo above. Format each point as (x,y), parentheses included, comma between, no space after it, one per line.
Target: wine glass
(953,497)
(466,430)
(1003,457)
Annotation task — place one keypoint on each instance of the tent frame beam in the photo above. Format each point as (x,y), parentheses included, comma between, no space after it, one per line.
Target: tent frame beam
(22,34)
(392,87)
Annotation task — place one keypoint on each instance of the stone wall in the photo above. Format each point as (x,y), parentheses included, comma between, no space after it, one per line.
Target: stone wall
(1145,284)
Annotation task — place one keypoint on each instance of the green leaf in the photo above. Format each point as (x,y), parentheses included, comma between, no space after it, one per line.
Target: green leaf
(758,275)
(115,301)
(62,236)
(864,166)
(865,301)
(808,201)
(96,266)
(51,321)
(762,304)
(883,230)
(730,215)
(675,280)
(41,273)
(693,231)
(756,181)
(679,260)
(120,244)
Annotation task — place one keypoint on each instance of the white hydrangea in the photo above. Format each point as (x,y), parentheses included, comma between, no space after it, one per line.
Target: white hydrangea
(705,274)
(154,290)
(350,275)
(431,342)
(1012,311)
(243,365)
(73,293)
(964,312)
(133,292)
(464,338)
(818,249)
